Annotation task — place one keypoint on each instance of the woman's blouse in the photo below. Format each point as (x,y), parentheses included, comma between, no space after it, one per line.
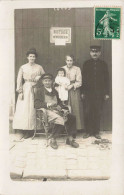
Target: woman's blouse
(28,73)
(74,75)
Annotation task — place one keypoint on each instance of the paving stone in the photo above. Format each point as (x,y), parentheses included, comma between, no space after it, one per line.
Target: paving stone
(82,152)
(61,165)
(71,164)
(40,174)
(42,159)
(88,160)
(60,153)
(70,151)
(42,146)
(20,158)
(31,155)
(82,163)
(20,148)
(40,152)
(22,154)
(106,173)
(15,137)
(30,160)
(16,173)
(11,145)
(92,165)
(41,165)
(20,164)
(32,150)
(94,152)
(87,174)
(92,159)
(51,152)
(70,156)
(51,163)
(82,146)
(107,164)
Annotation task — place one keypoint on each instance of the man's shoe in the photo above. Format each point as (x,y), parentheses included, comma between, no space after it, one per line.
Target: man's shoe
(72,143)
(86,135)
(97,136)
(53,144)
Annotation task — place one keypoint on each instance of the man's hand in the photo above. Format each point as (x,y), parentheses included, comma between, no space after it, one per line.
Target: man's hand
(106,97)
(50,105)
(59,108)
(21,96)
(82,96)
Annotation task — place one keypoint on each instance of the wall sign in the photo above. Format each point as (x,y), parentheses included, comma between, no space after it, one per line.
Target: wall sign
(60,35)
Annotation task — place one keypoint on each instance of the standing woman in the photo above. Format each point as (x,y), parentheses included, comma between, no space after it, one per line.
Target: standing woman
(73,73)
(29,74)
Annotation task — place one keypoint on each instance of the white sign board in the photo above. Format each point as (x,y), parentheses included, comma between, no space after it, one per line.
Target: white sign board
(60,35)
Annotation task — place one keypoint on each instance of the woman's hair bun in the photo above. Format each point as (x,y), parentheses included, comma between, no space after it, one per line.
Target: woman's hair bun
(31,51)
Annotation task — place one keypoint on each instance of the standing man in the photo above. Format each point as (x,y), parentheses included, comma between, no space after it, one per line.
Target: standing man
(95,89)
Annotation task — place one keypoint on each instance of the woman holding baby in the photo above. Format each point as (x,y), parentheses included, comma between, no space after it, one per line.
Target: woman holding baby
(73,73)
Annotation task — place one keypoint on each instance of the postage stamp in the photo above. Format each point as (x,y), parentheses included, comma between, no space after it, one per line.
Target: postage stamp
(107,23)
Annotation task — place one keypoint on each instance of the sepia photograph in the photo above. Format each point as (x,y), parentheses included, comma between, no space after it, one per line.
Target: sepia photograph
(60,112)
(61,97)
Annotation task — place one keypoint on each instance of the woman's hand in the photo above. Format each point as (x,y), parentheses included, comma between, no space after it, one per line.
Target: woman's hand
(21,96)
(106,97)
(70,87)
(37,78)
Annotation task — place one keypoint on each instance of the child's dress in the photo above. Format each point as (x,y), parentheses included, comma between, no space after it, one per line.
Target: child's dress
(62,91)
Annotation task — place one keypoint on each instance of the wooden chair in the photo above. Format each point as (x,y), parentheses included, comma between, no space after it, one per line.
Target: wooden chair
(41,117)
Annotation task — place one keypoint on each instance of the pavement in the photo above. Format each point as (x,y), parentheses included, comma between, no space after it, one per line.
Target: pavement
(32,160)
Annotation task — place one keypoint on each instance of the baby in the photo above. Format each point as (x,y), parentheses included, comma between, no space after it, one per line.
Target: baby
(63,82)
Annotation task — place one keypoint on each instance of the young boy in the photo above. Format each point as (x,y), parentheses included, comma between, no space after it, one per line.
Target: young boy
(63,82)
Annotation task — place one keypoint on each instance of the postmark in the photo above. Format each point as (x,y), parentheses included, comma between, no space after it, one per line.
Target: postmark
(107,23)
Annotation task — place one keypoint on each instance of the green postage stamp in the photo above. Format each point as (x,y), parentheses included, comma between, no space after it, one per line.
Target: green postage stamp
(107,23)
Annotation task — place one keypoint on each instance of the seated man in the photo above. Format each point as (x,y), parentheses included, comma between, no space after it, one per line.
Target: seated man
(47,97)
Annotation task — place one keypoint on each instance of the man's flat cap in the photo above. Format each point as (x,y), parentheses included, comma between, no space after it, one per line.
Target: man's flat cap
(95,48)
(47,76)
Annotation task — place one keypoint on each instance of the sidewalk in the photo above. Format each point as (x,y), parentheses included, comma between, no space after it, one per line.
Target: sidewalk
(32,160)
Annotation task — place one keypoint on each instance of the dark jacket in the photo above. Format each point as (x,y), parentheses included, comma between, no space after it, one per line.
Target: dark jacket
(39,97)
(95,78)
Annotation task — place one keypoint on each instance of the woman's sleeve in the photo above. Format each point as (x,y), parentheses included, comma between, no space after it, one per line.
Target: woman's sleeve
(78,82)
(19,88)
(42,71)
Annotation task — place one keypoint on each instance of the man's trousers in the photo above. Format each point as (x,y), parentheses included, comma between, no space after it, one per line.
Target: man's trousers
(92,114)
(69,127)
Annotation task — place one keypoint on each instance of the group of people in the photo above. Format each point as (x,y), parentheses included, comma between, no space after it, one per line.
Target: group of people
(84,90)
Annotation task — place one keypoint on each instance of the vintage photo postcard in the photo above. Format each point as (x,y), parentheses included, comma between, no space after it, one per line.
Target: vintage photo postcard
(63,75)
